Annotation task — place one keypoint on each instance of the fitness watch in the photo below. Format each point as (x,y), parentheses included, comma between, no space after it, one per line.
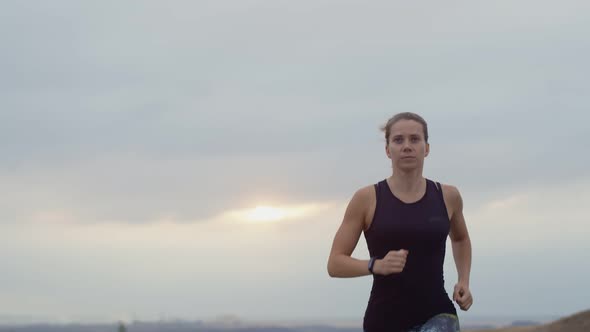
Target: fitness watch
(372,264)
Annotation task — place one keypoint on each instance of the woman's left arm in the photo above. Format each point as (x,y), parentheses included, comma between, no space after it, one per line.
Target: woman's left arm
(461,244)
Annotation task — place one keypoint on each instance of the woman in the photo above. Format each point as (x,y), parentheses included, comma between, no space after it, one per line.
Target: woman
(406,219)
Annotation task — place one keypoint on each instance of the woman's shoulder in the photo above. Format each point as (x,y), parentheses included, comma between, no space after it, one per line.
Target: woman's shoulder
(366,192)
(450,192)
(366,196)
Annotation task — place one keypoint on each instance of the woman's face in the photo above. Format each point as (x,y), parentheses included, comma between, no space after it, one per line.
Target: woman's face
(406,146)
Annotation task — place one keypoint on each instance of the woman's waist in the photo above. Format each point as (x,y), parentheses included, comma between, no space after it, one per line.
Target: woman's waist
(403,286)
(409,300)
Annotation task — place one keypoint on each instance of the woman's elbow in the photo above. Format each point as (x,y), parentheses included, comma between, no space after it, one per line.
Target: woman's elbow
(331,268)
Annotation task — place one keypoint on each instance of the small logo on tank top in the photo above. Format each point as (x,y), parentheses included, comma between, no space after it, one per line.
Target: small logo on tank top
(436,219)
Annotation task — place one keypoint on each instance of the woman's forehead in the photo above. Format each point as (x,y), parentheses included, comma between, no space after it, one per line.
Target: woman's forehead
(406,127)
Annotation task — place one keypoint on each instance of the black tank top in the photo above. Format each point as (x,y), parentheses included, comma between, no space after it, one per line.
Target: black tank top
(402,300)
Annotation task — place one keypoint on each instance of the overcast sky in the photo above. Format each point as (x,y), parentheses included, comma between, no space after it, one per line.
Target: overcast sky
(137,135)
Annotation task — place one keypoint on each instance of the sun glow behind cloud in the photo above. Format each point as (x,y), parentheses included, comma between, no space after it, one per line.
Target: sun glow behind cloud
(269,214)
(265,214)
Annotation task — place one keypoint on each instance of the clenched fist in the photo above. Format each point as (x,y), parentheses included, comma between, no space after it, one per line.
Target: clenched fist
(462,295)
(393,262)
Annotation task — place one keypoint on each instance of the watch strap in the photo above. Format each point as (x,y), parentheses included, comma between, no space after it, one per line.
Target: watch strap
(372,264)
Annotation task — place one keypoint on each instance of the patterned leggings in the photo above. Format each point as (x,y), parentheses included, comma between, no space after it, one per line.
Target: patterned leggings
(439,323)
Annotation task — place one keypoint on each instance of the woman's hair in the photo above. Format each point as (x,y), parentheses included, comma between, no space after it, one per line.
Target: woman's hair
(404,116)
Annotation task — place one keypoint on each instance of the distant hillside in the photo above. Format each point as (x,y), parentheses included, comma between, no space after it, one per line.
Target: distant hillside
(167,327)
(579,322)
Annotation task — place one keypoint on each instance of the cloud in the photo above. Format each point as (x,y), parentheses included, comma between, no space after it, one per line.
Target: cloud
(542,216)
(189,84)
(128,188)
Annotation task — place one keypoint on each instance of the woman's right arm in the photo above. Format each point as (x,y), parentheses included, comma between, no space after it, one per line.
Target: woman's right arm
(340,262)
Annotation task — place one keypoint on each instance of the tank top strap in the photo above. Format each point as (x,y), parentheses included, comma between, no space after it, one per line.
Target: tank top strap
(378,192)
(439,194)
(381,188)
(376,186)
(431,184)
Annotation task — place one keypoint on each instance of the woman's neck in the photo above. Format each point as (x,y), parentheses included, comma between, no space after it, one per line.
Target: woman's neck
(407,182)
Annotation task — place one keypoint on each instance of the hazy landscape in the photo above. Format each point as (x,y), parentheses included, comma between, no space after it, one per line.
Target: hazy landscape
(172,166)
(579,322)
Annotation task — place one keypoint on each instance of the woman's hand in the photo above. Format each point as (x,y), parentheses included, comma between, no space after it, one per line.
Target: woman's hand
(393,262)
(462,295)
